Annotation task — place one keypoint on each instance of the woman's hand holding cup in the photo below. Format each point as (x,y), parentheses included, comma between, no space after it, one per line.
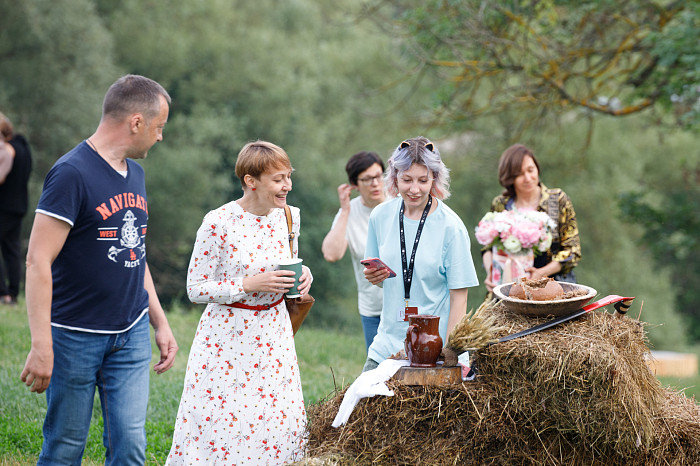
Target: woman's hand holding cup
(306,280)
(295,266)
(277,281)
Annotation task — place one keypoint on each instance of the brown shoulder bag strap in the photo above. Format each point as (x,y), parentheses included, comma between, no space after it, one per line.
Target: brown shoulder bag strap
(288,214)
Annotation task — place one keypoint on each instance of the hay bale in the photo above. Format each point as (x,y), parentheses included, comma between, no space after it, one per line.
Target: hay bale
(587,378)
(579,393)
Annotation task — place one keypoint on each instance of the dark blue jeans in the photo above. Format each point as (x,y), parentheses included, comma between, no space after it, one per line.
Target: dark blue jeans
(118,365)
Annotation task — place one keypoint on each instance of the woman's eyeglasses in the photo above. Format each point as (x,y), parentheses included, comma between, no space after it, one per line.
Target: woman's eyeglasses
(369,180)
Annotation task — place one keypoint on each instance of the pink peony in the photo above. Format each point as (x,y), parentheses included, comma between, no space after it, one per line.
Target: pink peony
(486,233)
(505,230)
(513,230)
(528,233)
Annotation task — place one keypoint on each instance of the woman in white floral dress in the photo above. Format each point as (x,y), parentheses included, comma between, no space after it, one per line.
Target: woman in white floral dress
(242,401)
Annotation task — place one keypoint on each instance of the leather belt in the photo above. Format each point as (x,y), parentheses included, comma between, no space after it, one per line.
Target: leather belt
(258,307)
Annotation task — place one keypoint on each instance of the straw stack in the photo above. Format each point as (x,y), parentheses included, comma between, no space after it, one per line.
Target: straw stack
(476,330)
(577,394)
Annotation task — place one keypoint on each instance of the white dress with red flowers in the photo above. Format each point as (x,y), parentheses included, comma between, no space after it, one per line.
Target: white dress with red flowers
(242,401)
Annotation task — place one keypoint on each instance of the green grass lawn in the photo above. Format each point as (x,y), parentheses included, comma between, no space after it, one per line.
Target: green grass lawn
(327,359)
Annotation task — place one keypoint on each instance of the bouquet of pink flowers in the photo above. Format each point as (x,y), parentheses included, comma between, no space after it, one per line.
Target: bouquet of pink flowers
(516,232)
(515,237)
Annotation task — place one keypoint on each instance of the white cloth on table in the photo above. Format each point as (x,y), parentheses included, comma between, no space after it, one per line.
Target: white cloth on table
(368,384)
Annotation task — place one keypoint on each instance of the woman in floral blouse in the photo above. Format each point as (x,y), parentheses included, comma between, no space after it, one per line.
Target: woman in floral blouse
(242,401)
(519,174)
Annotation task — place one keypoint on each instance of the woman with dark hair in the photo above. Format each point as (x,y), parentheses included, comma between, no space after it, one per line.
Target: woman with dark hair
(519,174)
(427,244)
(365,172)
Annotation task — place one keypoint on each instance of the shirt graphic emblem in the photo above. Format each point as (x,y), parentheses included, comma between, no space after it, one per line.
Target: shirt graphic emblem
(134,248)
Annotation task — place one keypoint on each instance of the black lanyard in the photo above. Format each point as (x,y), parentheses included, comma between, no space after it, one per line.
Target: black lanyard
(408,267)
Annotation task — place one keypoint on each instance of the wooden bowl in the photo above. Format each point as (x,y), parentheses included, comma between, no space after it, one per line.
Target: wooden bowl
(555,307)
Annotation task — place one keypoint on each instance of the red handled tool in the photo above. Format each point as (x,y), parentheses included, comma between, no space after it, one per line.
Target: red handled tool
(621,305)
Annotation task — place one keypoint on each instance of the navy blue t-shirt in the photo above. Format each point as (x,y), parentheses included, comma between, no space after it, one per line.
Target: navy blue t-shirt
(98,277)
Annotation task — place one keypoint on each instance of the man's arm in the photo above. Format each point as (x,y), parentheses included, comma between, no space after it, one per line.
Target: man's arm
(335,242)
(164,335)
(45,243)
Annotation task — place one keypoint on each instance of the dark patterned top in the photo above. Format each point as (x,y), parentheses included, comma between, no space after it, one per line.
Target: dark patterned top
(566,245)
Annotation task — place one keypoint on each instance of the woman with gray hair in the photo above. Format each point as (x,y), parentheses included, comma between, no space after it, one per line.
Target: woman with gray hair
(421,238)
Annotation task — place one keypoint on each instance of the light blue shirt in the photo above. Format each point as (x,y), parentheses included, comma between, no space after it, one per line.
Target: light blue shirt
(443,262)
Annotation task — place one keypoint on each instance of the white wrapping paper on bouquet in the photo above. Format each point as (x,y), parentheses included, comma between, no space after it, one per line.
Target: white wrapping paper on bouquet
(508,267)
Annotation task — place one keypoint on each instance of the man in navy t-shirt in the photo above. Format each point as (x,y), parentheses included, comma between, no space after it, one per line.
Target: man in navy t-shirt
(90,295)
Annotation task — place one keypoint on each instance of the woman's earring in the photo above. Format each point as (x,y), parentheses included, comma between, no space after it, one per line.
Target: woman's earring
(253,189)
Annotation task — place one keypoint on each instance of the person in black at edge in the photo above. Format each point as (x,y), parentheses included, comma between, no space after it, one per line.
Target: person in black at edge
(15,167)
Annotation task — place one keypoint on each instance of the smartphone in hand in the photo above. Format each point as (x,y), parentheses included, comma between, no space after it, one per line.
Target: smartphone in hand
(375,263)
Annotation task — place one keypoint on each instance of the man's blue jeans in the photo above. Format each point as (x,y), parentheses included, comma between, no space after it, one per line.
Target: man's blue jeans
(118,364)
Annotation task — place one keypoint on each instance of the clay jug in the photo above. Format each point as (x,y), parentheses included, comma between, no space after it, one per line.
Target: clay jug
(423,342)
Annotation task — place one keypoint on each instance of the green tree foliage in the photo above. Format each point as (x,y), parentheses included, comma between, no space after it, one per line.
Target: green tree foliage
(300,74)
(608,56)
(306,75)
(56,64)
(546,73)
(322,82)
(665,204)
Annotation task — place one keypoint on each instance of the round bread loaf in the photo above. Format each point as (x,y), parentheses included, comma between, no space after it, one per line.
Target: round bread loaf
(544,289)
(517,292)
